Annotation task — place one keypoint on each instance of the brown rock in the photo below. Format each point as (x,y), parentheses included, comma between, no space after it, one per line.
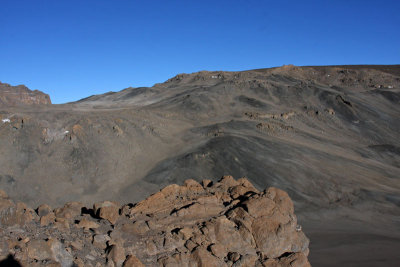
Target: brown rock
(15,214)
(107,210)
(218,250)
(233,256)
(186,233)
(229,223)
(47,219)
(126,209)
(39,250)
(295,260)
(77,245)
(239,190)
(151,248)
(253,206)
(87,224)
(132,261)
(176,259)
(226,234)
(138,227)
(77,130)
(228,180)
(69,211)
(62,225)
(198,210)
(79,262)
(21,95)
(3,194)
(246,183)
(194,186)
(190,245)
(274,228)
(116,255)
(222,196)
(246,261)
(49,250)
(204,258)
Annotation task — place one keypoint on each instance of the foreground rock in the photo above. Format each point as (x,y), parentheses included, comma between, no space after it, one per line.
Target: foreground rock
(228,223)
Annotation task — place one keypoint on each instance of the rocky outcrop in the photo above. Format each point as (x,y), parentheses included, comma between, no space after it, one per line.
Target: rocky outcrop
(228,223)
(21,95)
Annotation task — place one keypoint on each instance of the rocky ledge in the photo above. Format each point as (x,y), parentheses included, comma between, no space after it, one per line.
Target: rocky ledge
(21,95)
(228,223)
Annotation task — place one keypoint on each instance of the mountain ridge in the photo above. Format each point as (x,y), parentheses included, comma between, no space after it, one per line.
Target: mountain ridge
(21,95)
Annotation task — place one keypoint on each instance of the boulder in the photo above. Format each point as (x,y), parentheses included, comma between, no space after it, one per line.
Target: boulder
(117,255)
(87,224)
(107,210)
(69,211)
(51,250)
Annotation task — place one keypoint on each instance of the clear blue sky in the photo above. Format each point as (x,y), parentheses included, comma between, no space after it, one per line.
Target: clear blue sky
(73,49)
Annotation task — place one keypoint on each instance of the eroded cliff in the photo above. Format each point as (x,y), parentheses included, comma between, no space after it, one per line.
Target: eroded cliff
(21,95)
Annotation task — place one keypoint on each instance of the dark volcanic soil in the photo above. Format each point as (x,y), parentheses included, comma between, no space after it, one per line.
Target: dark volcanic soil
(329,136)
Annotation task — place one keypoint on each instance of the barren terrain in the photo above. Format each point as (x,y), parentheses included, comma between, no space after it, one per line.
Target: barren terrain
(329,136)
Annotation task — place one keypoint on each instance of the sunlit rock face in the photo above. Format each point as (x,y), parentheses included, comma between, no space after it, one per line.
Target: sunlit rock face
(21,95)
(227,223)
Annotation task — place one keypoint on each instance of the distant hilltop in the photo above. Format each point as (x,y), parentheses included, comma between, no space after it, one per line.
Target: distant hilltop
(21,95)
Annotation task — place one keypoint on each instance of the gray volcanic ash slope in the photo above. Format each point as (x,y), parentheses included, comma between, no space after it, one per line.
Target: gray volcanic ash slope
(329,136)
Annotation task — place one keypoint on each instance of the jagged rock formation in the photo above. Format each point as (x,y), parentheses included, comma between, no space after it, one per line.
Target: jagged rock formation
(228,223)
(21,95)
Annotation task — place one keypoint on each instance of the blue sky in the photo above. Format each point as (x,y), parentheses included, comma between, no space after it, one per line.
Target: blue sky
(73,49)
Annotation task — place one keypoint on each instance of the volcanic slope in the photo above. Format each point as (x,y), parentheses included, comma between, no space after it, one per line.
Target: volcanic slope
(329,136)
